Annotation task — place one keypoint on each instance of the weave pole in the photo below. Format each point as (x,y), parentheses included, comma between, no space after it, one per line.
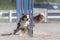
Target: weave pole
(18,9)
(31,5)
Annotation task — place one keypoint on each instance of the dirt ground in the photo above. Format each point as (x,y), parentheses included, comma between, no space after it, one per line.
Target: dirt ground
(35,37)
(49,31)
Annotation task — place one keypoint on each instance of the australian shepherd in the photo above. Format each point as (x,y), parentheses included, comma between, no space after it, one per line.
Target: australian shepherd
(22,25)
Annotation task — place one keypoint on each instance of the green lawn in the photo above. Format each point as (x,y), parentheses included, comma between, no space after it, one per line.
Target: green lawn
(6,7)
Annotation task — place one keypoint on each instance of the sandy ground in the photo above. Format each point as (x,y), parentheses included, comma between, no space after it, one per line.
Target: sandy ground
(36,37)
(44,31)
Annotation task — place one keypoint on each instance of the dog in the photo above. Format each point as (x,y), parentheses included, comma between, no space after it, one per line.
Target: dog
(22,25)
(39,18)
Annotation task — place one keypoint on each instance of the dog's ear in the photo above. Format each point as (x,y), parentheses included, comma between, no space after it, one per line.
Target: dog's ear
(23,14)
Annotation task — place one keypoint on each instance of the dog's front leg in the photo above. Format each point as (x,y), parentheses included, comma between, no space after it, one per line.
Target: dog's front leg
(17,29)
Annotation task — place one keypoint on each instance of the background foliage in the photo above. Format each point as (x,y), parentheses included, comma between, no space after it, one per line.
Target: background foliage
(11,4)
(57,1)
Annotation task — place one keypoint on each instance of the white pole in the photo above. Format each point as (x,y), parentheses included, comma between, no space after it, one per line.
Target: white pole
(10,16)
(0,14)
(46,15)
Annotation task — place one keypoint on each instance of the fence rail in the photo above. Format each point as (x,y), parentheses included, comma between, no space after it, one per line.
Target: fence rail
(46,12)
(10,12)
(36,11)
(53,11)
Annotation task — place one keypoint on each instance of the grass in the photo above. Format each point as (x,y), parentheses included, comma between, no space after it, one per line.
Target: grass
(6,7)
